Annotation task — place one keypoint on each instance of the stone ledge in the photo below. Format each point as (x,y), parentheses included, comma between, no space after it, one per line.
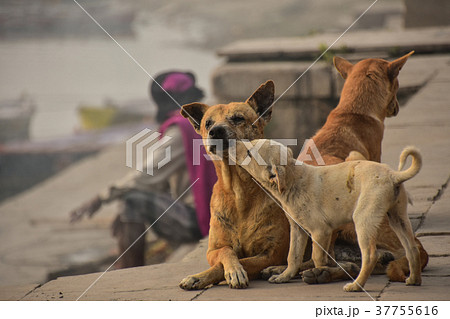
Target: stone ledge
(423,40)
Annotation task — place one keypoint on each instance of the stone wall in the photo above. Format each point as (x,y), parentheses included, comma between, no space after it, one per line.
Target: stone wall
(303,107)
(429,13)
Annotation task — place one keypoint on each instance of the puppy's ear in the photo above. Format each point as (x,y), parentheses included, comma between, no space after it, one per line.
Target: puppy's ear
(280,178)
(395,66)
(343,66)
(194,113)
(262,99)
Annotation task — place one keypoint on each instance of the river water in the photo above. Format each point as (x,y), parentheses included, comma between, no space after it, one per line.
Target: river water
(62,73)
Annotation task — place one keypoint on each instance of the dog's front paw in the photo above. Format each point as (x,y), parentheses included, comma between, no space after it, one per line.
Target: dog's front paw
(413,282)
(352,287)
(316,276)
(282,278)
(237,278)
(192,283)
(272,270)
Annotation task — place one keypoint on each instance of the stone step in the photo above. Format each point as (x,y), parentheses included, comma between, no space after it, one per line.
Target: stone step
(423,41)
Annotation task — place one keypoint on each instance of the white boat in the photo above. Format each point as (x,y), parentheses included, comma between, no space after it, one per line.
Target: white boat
(15,118)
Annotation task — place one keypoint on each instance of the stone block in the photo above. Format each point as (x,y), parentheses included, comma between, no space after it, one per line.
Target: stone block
(437,267)
(437,220)
(320,81)
(298,119)
(237,81)
(429,13)
(293,80)
(436,245)
(432,288)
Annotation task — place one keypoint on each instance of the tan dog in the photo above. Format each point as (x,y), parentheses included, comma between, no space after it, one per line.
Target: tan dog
(320,199)
(248,231)
(354,131)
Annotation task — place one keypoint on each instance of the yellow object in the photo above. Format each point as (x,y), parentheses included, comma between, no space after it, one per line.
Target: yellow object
(94,118)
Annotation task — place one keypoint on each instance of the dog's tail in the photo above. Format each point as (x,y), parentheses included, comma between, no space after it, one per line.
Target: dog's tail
(401,176)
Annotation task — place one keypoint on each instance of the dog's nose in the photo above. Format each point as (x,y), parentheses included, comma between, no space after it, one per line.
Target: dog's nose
(218,132)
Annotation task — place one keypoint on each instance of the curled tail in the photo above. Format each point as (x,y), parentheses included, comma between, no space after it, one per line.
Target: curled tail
(401,176)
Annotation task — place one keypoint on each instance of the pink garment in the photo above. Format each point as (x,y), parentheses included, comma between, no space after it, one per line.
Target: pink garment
(205,172)
(177,82)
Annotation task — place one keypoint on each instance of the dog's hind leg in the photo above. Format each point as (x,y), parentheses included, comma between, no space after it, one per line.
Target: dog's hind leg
(355,156)
(398,269)
(398,219)
(369,260)
(367,220)
(324,275)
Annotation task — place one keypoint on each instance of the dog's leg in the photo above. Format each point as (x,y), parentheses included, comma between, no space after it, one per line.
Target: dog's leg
(321,244)
(366,225)
(298,240)
(234,272)
(276,270)
(226,266)
(369,260)
(204,279)
(398,219)
(355,156)
(272,270)
(254,265)
(398,269)
(324,275)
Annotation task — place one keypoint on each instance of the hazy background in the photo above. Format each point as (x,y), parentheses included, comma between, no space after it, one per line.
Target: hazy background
(51,50)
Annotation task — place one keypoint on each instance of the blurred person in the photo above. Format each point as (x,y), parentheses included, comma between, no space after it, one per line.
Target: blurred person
(145,197)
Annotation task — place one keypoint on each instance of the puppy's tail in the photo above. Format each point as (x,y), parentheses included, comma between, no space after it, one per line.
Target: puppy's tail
(401,176)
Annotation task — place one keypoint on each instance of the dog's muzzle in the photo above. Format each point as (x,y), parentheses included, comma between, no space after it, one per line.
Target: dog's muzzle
(218,139)
(393,108)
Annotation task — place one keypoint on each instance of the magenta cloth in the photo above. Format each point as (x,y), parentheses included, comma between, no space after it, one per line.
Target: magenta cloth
(177,82)
(205,172)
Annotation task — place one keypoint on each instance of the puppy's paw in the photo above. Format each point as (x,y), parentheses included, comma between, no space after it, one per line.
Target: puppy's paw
(316,276)
(413,282)
(192,283)
(352,287)
(279,279)
(237,278)
(271,271)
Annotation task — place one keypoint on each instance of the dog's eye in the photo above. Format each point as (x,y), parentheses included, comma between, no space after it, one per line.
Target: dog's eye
(271,174)
(208,124)
(236,119)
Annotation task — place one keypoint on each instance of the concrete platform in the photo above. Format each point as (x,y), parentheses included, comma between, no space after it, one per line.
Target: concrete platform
(35,235)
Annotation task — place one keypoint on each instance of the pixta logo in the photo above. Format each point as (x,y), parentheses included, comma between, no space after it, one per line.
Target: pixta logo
(141,147)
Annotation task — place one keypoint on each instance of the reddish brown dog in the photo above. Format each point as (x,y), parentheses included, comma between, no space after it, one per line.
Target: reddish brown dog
(369,96)
(248,231)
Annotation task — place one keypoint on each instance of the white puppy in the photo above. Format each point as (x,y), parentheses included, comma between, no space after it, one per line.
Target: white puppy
(322,198)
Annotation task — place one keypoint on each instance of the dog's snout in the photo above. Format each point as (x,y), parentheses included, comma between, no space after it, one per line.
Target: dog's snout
(218,132)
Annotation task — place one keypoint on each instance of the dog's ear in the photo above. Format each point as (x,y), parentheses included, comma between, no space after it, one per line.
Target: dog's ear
(262,99)
(194,113)
(343,66)
(279,177)
(395,66)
